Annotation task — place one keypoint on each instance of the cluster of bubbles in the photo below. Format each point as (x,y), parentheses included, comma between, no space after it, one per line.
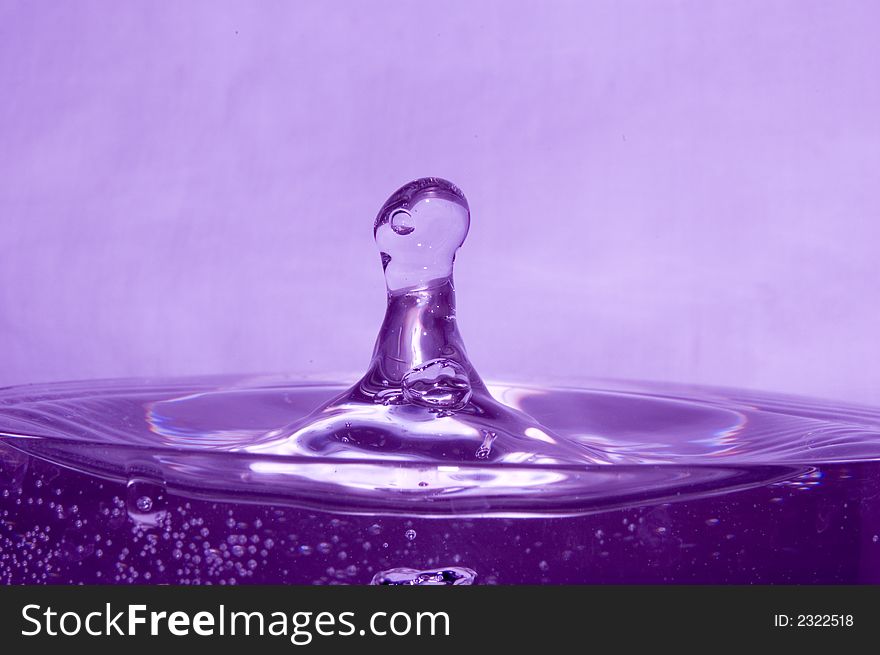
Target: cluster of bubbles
(58,526)
(56,530)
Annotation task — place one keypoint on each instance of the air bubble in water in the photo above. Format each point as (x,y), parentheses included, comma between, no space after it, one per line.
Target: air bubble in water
(410,535)
(401,222)
(440,383)
(145,501)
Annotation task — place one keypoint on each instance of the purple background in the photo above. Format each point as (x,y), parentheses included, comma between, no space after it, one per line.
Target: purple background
(664,190)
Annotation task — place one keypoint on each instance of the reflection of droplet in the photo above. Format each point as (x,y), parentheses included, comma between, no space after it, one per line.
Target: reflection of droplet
(449,576)
(410,534)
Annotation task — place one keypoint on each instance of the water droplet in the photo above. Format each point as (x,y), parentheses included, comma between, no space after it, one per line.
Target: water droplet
(421,397)
(419,228)
(485,448)
(410,534)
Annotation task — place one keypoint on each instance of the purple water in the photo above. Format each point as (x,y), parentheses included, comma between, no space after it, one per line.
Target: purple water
(420,473)
(140,482)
